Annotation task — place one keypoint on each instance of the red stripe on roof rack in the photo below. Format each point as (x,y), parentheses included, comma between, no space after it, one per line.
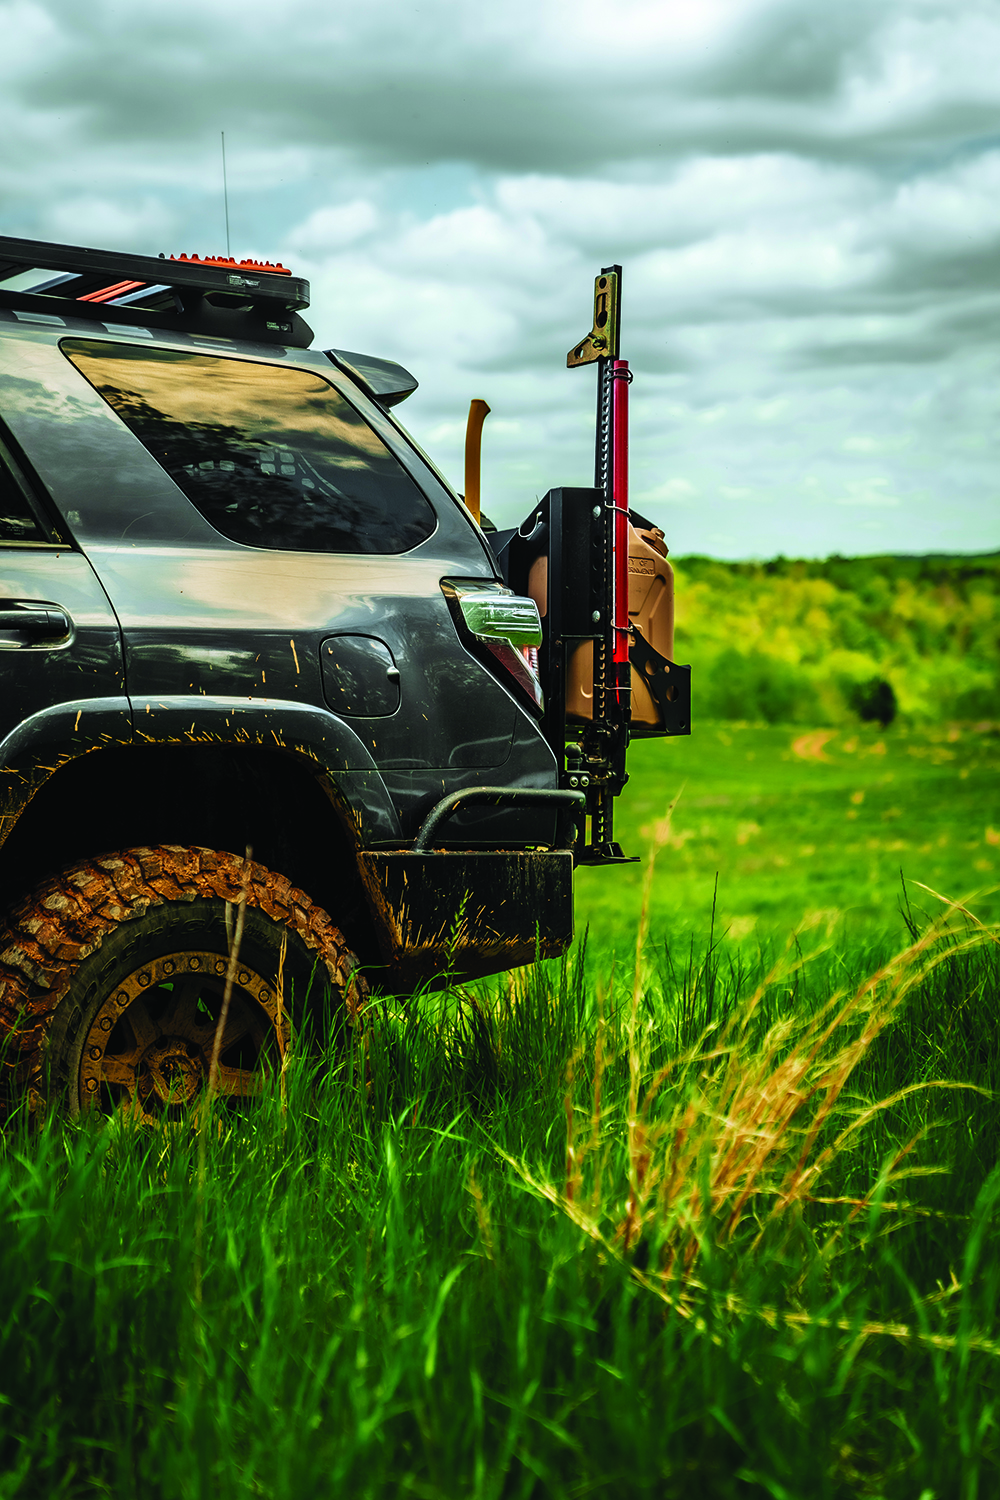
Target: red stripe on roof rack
(106,293)
(227,262)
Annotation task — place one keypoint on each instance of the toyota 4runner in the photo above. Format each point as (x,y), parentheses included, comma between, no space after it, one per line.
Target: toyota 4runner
(256,653)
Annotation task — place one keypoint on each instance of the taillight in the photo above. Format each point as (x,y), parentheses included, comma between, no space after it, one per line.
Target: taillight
(504,629)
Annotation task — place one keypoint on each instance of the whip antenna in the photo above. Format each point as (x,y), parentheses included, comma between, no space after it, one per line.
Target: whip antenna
(225,193)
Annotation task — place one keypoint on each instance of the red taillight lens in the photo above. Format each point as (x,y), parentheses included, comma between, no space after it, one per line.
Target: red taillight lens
(520,668)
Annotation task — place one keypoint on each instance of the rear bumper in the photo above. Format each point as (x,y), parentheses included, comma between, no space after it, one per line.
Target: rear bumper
(468,913)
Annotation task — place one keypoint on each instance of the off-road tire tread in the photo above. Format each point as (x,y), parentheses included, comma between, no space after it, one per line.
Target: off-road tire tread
(45,939)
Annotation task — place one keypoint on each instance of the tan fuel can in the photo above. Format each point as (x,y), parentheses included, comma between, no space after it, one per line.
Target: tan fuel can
(651,610)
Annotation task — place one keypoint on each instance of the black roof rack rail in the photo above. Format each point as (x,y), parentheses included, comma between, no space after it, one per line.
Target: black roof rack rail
(220,296)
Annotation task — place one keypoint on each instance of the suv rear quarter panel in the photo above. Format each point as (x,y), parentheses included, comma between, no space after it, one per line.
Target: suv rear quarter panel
(206,618)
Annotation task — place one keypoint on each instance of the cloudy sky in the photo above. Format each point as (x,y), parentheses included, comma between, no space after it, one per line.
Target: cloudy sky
(805,198)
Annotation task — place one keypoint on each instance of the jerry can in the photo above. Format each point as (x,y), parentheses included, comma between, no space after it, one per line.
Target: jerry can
(651,612)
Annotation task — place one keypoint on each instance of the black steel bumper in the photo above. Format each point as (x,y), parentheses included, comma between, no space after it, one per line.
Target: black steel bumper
(468,913)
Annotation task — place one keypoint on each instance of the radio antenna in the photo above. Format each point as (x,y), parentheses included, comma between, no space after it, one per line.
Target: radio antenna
(225,193)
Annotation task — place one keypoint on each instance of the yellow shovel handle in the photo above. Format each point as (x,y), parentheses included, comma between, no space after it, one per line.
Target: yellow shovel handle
(478,412)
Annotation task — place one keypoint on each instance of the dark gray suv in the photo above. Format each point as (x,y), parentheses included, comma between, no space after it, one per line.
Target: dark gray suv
(254,652)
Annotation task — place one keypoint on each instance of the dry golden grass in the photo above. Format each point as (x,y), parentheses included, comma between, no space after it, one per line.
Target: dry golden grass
(734,1136)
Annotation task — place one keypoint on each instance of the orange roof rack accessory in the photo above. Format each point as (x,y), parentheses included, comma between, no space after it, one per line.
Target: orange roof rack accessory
(226,262)
(108,293)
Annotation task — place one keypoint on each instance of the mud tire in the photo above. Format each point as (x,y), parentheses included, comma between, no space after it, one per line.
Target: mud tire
(66,947)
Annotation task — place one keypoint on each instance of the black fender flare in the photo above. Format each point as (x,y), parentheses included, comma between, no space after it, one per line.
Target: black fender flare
(47,740)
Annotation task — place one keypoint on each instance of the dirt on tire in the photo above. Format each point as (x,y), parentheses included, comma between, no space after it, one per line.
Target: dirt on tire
(49,934)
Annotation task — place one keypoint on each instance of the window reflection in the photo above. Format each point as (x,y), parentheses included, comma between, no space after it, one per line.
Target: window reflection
(271,457)
(17,524)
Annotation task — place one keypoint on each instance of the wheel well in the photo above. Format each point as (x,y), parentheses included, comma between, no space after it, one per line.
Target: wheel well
(219,797)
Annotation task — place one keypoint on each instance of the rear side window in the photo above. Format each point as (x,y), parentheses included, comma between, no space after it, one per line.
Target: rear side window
(271,456)
(18,522)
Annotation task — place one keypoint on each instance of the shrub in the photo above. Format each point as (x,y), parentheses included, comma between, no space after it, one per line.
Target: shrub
(874,701)
(758,688)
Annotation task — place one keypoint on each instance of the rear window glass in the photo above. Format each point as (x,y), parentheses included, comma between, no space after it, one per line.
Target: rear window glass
(271,457)
(17,519)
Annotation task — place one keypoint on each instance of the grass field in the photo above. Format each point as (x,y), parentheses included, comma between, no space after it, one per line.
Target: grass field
(719,1228)
(800,821)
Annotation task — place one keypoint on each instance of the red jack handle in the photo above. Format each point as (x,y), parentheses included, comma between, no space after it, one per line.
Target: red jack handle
(622,379)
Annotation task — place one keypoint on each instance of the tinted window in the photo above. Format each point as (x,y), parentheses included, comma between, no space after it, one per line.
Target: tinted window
(272,457)
(17,519)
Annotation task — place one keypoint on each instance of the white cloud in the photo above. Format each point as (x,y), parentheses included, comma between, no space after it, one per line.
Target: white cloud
(675,491)
(330,229)
(98,220)
(870,491)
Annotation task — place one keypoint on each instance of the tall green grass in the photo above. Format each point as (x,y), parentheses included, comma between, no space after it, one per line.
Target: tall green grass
(689,1230)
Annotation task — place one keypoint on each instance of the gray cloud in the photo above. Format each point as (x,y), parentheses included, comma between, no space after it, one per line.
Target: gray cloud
(401,86)
(806,200)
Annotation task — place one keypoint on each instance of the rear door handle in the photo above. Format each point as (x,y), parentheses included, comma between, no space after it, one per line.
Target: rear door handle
(34,621)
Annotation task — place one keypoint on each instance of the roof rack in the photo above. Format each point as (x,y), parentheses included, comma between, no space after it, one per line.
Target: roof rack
(211,295)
